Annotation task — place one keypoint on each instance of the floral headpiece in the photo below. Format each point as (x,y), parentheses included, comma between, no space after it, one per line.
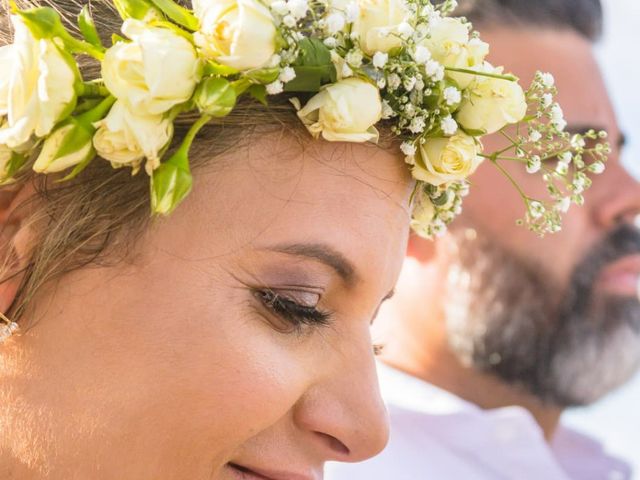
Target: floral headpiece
(405,62)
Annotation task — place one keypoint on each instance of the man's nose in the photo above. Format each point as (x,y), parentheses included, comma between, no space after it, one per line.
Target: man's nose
(615,196)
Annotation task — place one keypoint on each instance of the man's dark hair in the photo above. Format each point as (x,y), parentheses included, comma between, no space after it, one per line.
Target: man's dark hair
(581,16)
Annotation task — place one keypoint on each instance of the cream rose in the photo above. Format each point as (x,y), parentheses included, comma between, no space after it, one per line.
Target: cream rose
(157,70)
(492,103)
(443,160)
(37,88)
(451,46)
(237,33)
(126,139)
(377,24)
(345,111)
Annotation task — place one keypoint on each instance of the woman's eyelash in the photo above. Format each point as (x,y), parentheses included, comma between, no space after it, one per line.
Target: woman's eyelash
(292,311)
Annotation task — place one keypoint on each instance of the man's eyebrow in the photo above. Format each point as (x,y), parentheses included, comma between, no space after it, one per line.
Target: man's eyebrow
(620,142)
(322,253)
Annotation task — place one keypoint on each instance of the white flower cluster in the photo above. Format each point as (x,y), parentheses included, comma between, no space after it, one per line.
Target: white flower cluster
(405,62)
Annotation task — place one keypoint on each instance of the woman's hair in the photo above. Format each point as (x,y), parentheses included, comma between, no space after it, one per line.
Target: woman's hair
(98,217)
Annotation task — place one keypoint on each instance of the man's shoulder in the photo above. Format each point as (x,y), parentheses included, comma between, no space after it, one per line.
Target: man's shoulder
(584,457)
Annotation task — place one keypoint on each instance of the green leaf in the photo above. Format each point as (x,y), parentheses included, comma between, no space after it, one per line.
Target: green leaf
(88,28)
(215,96)
(16,162)
(263,75)
(213,68)
(136,9)
(259,92)
(178,14)
(313,53)
(310,79)
(313,67)
(43,22)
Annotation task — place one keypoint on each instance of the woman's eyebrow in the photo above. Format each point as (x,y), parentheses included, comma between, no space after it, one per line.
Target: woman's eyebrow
(323,253)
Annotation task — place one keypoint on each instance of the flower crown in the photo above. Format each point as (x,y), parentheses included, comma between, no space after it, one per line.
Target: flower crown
(405,62)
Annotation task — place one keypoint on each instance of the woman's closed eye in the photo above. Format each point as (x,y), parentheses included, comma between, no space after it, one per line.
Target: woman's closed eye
(296,308)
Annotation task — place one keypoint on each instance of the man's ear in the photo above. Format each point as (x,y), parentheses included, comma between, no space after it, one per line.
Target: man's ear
(16,237)
(422,249)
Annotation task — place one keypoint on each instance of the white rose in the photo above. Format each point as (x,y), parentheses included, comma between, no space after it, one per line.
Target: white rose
(237,33)
(125,138)
(345,111)
(157,70)
(443,160)
(450,46)
(37,87)
(492,103)
(377,25)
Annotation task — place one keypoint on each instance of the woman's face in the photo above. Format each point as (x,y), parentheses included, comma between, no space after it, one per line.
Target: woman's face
(236,344)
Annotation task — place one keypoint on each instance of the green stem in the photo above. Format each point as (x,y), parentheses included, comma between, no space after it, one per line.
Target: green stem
(98,112)
(524,196)
(182,154)
(92,89)
(83,47)
(499,76)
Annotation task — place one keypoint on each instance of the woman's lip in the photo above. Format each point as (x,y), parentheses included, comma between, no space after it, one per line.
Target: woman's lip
(252,473)
(622,276)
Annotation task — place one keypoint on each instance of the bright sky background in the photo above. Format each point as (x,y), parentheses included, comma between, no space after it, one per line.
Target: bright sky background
(616,420)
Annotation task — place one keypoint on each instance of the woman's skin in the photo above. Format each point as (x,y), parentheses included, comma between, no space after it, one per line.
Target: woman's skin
(181,365)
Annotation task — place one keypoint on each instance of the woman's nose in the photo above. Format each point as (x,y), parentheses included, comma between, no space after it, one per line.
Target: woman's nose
(344,411)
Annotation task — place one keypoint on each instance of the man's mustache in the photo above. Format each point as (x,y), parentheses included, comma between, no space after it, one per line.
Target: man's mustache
(621,242)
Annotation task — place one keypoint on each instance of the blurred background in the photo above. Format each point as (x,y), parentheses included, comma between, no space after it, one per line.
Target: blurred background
(616,419)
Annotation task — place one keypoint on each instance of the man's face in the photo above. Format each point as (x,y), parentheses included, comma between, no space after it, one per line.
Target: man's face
(558,314)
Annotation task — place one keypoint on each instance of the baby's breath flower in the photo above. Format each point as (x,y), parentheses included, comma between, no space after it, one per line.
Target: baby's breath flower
(452,95)
(408,148)
(330,42)
(422,54)
(565,157)
(535,136)
(536,209)
(597,167)
(547,100)
(434,70)
(289,21)
(352,11)
(547,80)
(387,111)
(275,88)
(280,7)
(449,125)
(417,125)
(287,74)
(274,61)
(380,59)
(354,58)
(298,8)
(563,204)
(346,71)
(534,164)
(394,81)
(335,22)
(409,83)
(405,30)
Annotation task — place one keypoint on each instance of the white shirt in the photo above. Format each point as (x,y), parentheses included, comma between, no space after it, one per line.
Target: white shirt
(438,436)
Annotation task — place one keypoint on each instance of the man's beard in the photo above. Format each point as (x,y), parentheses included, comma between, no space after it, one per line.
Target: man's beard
(568,346)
